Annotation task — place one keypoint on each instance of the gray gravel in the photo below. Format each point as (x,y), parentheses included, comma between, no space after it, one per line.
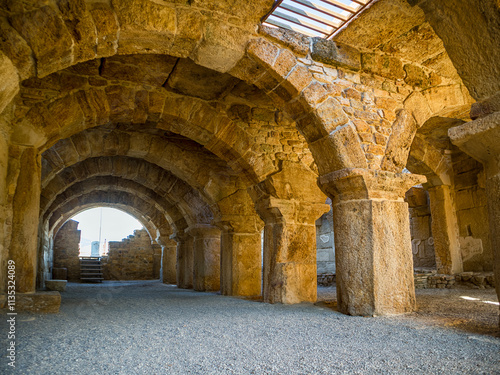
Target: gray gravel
(151,328)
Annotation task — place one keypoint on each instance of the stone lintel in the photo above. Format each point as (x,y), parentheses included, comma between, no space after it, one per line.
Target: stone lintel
(481,140)
(239,223)
(356,183)
(291,211)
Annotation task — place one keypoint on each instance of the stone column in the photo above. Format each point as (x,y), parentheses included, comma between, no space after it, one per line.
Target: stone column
(26,161)
(445,232)
(480,140)
(169,261)
(206,247)
(241,247)
(184,260)
(372,240)
(290,274)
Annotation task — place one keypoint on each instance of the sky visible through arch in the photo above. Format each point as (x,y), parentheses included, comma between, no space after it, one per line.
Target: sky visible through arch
(116,225)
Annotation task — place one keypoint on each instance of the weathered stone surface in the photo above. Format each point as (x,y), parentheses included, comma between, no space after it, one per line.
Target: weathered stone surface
(134,258)
(17,50)
(336,54)
(297,42)
(206,258)
(398,147)
(47,36)
(445,231)
(66,250)
(184,260)
(81,27)
(25,206)
(477,26)
(145,69)
(39,302)
(10,86)
(479,139)
(56,285)
(380,23)
(194,80)
(384,65)
(169,262)
(368,202)
(106,28)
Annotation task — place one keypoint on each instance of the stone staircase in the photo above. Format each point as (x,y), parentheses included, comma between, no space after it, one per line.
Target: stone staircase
(91,270)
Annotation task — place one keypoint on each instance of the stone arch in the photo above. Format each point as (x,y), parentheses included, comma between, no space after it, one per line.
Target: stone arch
(175,193)
(153,232)
(110,198)
(203,172)
(190,117)
(176,217)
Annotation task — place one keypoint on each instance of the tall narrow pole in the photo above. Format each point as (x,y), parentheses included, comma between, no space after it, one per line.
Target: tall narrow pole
(100,230)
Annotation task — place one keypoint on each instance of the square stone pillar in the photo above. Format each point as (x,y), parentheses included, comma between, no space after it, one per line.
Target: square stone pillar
(206,247)
(26,162)
(372,240)
(241,246)
(169,261)
(445,232)
(290,271)
(481,140)
(184,260)
(241,262)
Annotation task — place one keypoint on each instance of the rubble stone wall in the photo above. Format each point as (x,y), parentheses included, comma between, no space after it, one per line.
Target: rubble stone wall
(134,258)
(472,214)
(422,242)
(67,249)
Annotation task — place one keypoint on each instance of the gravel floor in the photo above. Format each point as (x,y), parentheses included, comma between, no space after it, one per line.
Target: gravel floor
(151,328)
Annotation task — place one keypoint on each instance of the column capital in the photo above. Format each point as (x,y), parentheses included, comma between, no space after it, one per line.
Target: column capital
(273,209)
(180,236)
(356,183)
(203,230)
(479,139)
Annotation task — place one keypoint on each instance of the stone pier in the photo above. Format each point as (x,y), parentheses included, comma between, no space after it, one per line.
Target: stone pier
(184,260)
(290,274)
(372,240)
(206,260)
(169,261)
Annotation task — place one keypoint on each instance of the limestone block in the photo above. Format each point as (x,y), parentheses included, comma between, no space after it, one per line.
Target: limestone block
(56,285)
(16,49)
(398,147)
(297,42)
(106,27)
(383,65)
(80,25)
(39,302)
(139,30)
(335,54)
(47,36)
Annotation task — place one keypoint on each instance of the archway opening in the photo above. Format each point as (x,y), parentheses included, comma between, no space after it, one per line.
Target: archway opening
(99,226)
(105,243)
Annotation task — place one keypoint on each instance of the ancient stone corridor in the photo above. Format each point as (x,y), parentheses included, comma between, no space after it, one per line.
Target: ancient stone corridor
(258,159)
(145,327)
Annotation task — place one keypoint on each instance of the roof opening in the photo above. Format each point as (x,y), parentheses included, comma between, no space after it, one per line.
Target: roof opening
(316,18)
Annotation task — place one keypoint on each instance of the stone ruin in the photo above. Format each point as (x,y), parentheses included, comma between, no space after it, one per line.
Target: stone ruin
(209,127)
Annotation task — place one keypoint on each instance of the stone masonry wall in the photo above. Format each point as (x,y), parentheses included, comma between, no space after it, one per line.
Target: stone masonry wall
(67,249)
(325,244)
(422,242)
(472,214)
(134,258)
